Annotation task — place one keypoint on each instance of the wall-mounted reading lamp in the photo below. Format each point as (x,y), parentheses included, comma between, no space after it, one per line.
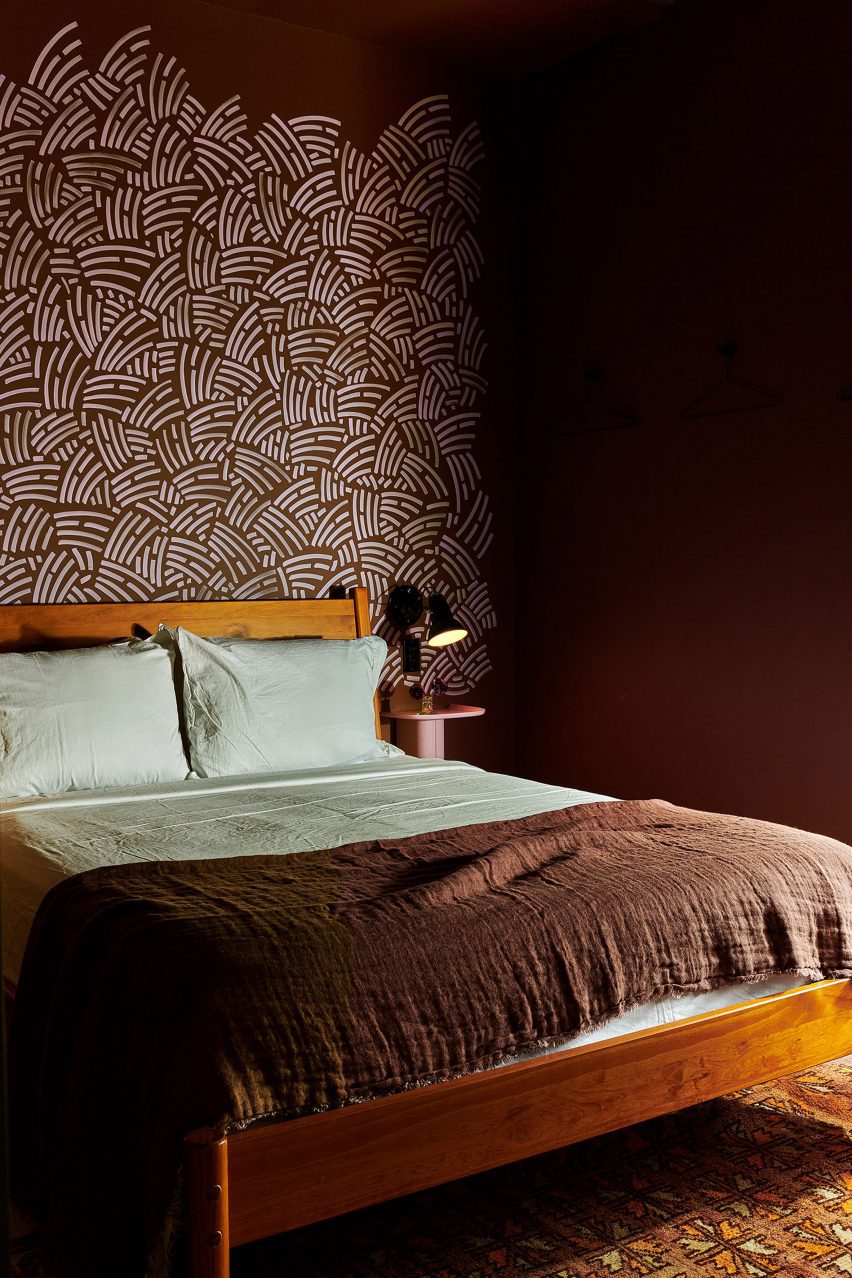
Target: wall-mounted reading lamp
(405,608)
(443,628)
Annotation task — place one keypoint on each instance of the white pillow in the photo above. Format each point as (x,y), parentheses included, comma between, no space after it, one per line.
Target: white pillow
(87,718)
(279,705)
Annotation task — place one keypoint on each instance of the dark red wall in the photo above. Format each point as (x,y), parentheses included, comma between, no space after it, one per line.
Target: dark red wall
(686,586)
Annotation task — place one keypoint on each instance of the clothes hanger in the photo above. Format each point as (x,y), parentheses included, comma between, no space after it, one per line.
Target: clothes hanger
(730,394)
(594,412)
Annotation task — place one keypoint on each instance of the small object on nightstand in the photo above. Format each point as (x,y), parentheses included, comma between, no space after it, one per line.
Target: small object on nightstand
(422,735)
(438,688)
(425,698)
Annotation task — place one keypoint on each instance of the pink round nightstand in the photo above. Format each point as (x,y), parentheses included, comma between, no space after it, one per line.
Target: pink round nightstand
(422,735)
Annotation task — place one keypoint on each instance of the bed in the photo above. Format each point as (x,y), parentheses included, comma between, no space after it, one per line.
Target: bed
(269,1178)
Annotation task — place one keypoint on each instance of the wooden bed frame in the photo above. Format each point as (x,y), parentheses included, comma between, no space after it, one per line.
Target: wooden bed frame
(268,1179)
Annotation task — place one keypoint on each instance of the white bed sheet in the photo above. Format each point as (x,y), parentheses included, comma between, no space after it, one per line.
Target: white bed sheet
(44,840)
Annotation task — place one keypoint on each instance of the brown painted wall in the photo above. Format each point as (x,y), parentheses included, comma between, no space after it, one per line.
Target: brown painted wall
(687,585)
(430,441)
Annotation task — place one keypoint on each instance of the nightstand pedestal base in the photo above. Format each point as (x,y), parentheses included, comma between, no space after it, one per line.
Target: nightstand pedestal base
(422,735)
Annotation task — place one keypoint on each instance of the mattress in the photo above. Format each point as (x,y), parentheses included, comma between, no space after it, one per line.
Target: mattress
(46,839)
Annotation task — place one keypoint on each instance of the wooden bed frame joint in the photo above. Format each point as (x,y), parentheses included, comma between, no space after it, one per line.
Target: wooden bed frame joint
(207,1212)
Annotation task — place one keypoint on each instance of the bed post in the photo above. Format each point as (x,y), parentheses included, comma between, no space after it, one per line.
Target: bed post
(363,626)
(205,1164)
(361,600)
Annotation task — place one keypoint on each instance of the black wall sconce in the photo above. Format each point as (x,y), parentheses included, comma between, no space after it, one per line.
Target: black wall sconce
(405,608)
(444,628)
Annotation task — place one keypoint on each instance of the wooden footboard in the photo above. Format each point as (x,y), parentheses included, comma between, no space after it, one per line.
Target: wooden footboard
(269,1179)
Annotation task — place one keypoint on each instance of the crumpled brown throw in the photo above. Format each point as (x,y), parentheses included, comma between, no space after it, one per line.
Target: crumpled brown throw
(166,996)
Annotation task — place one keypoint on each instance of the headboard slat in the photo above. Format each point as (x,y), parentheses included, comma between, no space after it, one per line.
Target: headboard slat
(26,626)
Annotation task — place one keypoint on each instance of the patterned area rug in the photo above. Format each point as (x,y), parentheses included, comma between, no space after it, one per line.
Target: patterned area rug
(756,1184)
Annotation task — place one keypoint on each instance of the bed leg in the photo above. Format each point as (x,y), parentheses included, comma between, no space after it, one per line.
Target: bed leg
(206,1186)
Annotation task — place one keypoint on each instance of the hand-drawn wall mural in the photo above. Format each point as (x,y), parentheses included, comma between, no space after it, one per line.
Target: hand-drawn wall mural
(234,364)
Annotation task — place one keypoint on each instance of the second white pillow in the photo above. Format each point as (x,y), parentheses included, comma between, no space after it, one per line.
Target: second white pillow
(279,705)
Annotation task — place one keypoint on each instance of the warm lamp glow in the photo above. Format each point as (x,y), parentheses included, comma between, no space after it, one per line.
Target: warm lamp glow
(444,629)
(446,637)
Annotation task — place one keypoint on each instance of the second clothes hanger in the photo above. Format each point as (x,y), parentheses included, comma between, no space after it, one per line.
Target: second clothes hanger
(597,410)
(730,394)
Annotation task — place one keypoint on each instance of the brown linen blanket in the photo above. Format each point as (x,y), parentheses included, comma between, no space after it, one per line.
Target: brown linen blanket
(166,996)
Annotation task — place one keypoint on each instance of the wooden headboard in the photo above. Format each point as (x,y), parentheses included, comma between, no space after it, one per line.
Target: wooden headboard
(24,627)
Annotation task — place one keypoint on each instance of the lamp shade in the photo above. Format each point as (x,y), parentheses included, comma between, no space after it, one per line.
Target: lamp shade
(443,628)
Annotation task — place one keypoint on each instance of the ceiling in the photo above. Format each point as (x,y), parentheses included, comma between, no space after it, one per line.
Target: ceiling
(509,37)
